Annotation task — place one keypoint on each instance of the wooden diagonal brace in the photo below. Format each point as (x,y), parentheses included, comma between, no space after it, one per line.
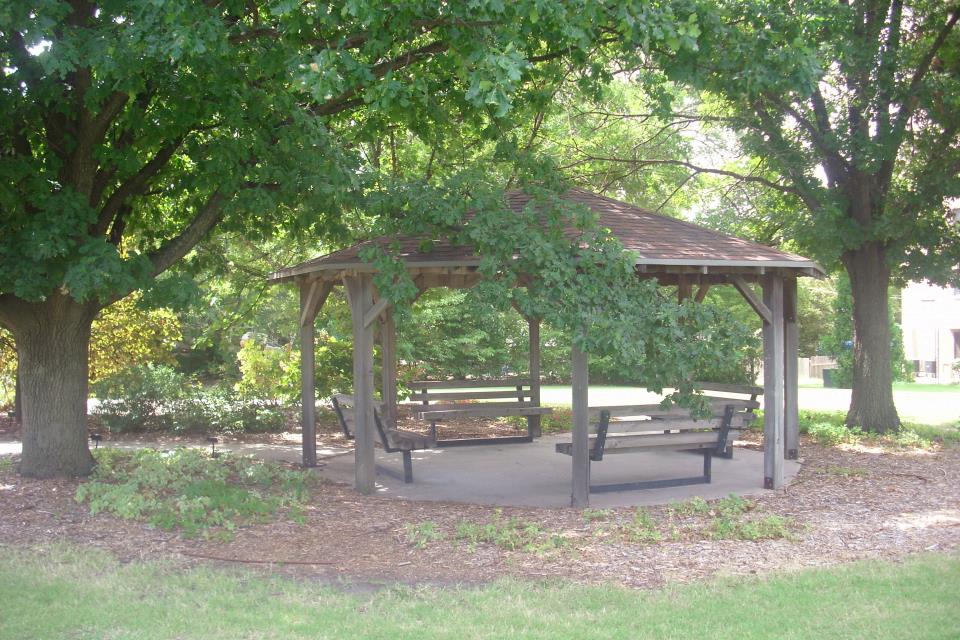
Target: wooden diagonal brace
(374,312)
(316,296)
(762,310)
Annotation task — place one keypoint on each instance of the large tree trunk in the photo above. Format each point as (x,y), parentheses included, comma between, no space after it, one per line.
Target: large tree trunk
(871,403)
(53,339)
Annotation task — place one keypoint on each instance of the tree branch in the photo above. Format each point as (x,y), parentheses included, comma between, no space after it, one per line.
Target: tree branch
(180,245)
(683,163)
(771,129)
(110,109)
(816,132)
(135,185)
(354,40)
(347,99)
(886,70)
(906,111)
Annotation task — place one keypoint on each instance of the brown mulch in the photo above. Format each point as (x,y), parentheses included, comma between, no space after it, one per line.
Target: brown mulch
(845,504)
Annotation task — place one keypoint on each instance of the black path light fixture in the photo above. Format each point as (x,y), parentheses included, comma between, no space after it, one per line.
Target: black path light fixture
(213,440)
(96,437)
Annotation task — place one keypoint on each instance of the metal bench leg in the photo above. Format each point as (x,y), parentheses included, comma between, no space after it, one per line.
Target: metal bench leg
(707,464)
(407,467)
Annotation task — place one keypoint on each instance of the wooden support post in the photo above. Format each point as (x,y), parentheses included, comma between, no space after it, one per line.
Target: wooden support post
(308,389)
(580,497)
(773,369)
(360,294)
(702,292)
(388,354)
(684,288)
(533,422)
(791,339)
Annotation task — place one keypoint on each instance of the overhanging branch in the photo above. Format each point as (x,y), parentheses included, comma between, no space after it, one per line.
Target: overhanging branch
(906,111)
(179,246)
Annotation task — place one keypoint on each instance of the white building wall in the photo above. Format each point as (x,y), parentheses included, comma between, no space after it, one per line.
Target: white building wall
(930,317)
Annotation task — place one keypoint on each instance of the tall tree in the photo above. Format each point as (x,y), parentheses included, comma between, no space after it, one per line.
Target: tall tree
(131,130)
(853,110)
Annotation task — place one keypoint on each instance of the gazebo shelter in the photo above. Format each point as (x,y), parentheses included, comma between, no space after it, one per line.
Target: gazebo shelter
(674,252)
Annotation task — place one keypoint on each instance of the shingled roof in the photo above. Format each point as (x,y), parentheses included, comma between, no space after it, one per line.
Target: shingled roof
(658,240)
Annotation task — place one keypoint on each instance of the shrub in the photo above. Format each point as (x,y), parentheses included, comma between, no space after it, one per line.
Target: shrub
(140,398)
(268,373)
(159,398)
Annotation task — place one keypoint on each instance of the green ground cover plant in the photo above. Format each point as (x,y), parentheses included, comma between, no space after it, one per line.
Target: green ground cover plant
(510,534)
(642,528)
(732,517)
(188,490)
(423,534)
(829,429)
(60,592)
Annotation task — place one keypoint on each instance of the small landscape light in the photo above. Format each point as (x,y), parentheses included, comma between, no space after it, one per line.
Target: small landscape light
(96,437)
(213,440)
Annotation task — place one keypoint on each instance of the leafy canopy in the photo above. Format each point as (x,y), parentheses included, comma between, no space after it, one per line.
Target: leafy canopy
(853,110)
(133,129)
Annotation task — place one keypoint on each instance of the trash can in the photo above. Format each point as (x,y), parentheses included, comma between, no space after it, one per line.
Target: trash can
(828,381)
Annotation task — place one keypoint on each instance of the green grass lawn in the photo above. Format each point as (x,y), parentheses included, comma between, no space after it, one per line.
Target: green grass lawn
(61,592)
(920,387)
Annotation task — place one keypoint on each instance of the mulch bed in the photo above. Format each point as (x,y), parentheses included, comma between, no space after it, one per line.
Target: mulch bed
(845,504)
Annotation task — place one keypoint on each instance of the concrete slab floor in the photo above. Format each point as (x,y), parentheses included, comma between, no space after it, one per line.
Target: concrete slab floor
(522,475)
(534,475)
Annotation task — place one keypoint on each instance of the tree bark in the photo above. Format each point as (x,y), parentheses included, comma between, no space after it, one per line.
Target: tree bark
(53,339)
(871,402)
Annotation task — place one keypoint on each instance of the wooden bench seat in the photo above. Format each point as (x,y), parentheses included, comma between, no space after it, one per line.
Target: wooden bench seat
(390,439)
(443,400)
(632,428)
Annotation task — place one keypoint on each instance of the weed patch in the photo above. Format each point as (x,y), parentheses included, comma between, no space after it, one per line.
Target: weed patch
(769,527)
(694,506)
(847,472)
(597,515)
(423,534)
(511,534)
(642,528)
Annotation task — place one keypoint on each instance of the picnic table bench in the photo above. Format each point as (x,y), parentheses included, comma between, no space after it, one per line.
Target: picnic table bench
(391,439)
(440,400)
(633,428)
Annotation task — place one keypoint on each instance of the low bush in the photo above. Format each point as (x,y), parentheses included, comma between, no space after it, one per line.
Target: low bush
(188,490)
(159,398)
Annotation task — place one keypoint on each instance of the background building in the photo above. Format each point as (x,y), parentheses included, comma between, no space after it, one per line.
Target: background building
(931,331)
